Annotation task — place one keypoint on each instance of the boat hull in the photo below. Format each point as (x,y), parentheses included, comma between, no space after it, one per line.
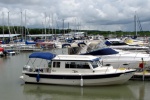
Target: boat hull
(78,79)
(126,61)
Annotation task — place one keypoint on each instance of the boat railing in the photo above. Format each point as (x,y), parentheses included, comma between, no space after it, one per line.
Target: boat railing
(108,65)
(37,69)
(42,70)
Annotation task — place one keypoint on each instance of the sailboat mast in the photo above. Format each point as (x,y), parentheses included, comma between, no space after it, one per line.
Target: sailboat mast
(8,26)
(21,29)
(25,25)
(3,24)
(52,25)
(135,21)
(45,25)
(63,27)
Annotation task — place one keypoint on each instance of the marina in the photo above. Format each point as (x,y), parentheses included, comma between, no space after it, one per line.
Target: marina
(10,71)
(74,50)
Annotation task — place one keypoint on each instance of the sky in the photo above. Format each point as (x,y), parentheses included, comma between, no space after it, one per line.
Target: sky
(103,15)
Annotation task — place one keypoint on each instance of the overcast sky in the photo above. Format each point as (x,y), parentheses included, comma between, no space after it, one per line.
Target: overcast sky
(105,15)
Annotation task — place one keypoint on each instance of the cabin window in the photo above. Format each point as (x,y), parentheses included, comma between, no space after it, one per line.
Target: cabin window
(73,65)
(77,65)
(70,65)
(67,65)
(95,64)
(56,64)
(49,64)
(84,66)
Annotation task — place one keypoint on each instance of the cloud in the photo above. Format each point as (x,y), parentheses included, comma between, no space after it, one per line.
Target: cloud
(20,2)
(88,14)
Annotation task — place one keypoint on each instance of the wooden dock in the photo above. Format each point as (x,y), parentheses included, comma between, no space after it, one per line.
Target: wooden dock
(144,76)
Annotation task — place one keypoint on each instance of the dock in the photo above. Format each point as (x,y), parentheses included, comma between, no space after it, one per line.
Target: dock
(144,76)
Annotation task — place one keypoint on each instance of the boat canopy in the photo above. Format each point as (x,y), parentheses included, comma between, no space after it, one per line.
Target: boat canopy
(113,42)
(108,43)
(27,42)
(96,59)
(104,51)
(42,55)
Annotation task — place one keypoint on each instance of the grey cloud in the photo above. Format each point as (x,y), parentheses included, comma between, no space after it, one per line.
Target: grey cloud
(20,1)
(116,14)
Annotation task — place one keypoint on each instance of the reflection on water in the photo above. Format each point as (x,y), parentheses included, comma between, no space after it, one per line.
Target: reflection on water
(142,92)
(55,92)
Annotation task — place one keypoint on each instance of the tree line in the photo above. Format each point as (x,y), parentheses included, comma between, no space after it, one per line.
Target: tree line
(26,31)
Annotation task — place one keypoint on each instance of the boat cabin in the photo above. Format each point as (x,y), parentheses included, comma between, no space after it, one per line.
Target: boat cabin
(78,63)
(63,63)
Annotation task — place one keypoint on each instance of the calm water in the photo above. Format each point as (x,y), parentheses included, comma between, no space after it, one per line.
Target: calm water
(13,88)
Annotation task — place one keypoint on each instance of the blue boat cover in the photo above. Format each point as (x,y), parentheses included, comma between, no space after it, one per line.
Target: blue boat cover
(107,43)
(96,59)
(69,40)
(8,51)
(27,42)
(42,55)
(104,51)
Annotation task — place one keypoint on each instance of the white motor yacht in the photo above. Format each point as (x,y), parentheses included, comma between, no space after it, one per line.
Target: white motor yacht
(120,44)
(115,57)
(79,70)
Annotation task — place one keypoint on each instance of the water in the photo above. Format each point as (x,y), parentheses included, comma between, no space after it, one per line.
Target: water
(13,88)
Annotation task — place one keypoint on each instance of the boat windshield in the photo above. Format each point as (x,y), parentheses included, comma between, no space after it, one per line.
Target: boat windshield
(95,64)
